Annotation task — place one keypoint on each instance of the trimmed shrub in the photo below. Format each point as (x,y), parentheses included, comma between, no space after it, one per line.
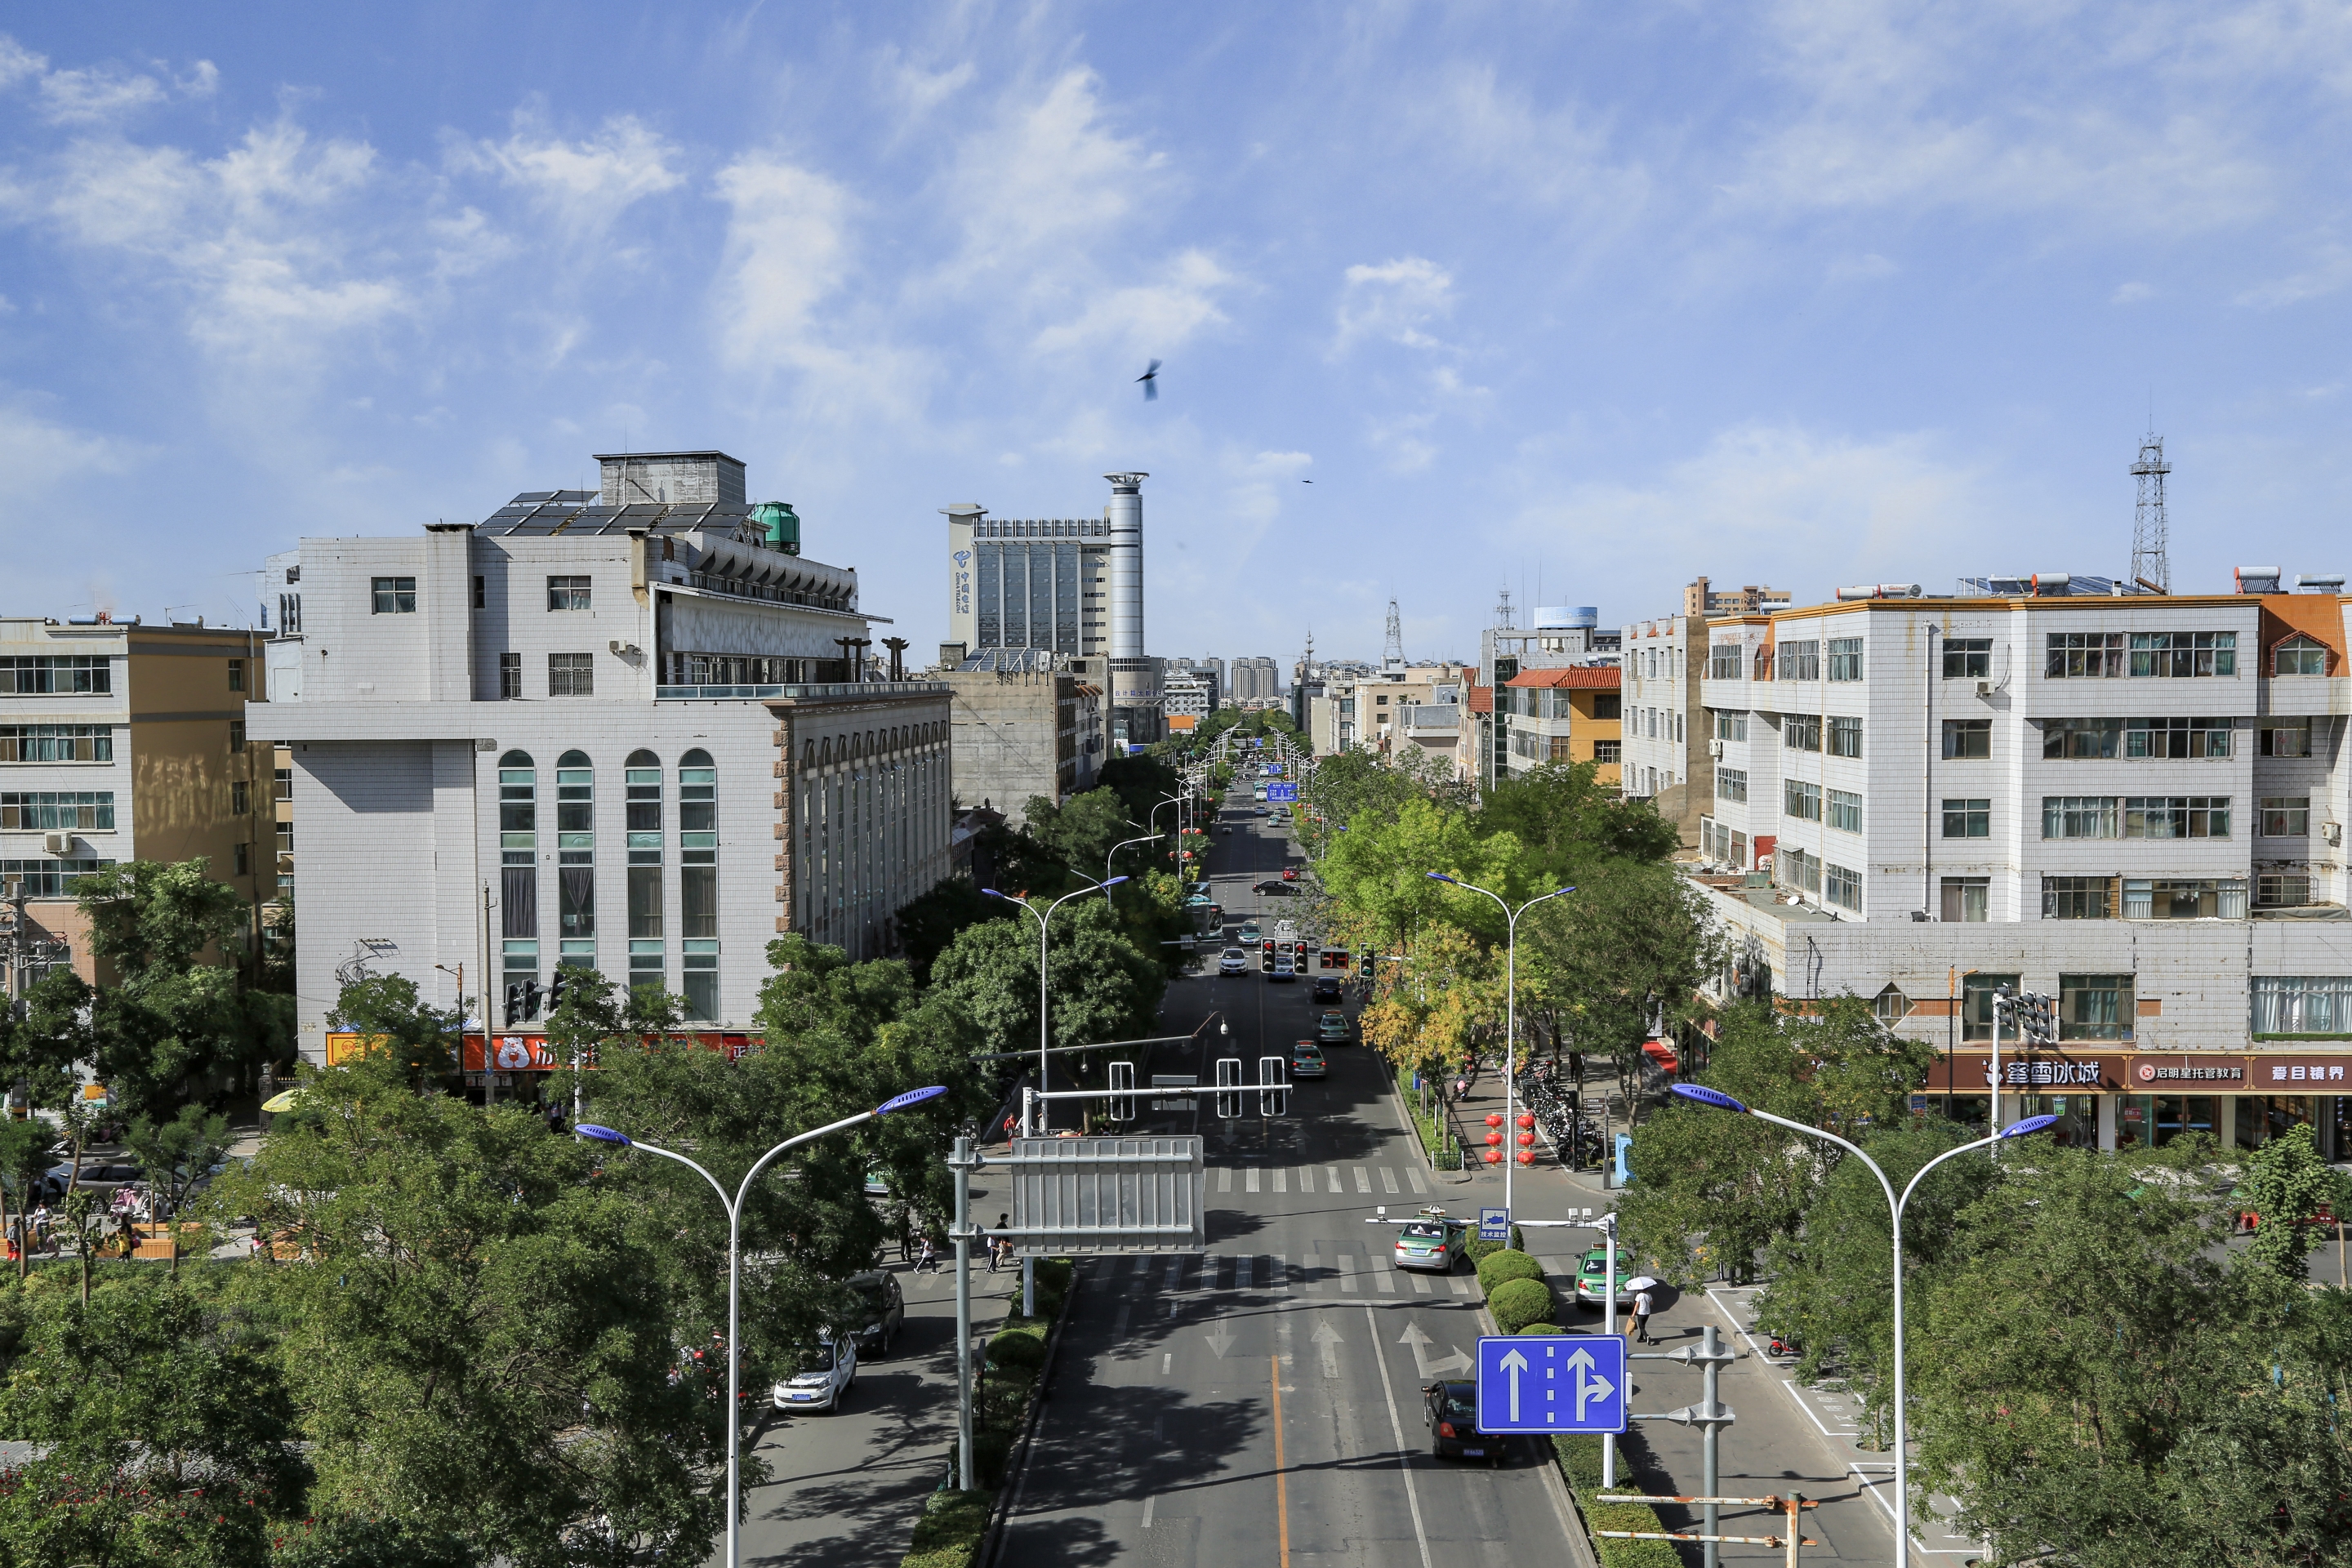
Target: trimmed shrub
(1580,1461)
(1479,1251)
(950,1531)
(1017,1347)
(1518,1302)
(1501,1267)
(1542,1328)
(990,1449)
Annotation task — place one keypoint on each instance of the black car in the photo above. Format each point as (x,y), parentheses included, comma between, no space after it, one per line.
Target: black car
(1326,988)
(1451,1409)
(1275,886)
(885,1309)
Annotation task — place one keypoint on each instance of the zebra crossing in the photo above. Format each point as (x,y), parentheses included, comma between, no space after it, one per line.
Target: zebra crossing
(1338,1272)
(1311,1179)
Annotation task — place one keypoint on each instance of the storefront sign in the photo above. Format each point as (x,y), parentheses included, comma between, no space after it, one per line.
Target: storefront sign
(1971,1072)
(2304,1074)
(2153,1074)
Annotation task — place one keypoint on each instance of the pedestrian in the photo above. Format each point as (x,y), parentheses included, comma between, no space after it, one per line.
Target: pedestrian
(998,1246)
(930,1260)
(1642,1317)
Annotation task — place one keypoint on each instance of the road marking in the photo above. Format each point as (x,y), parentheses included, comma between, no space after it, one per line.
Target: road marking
(1243,1268)
(1333,1172)
(1404,1458)
(1119,1329)
(1386,1282)
(1363,1180)
(1224,1178)
(1789,1383)
(1281,1178)
(1305,1178)
(1325,1338)
(1249,1180)
(1421,1284)
(1176,1272)
(1413,1176)
(1147,1511)
(1346,1272)
(1310,1268)
(1165,1357)
(1281,1482)
(1462,1287)
(1388,1179)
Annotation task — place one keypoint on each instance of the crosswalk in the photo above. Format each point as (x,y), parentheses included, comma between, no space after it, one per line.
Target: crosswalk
(1312,1179)
(1336,1272)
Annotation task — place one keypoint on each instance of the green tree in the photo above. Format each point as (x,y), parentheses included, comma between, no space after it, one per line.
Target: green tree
(2287,1182)
(28,1150)
(391,1014)
(1081,833)
(162,1433)
(929,923)
(178,1154)
(1103,987)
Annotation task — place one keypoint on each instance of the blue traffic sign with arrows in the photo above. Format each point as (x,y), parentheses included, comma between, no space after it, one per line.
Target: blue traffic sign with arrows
(1551,1383)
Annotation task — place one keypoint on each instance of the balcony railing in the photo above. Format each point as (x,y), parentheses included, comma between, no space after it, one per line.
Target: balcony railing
(817,690)
(740,589)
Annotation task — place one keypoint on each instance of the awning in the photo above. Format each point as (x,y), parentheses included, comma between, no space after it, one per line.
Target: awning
(1663,1054)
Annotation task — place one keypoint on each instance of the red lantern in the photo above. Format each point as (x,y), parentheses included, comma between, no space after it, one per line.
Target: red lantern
(1527,1157)
(1495,1118)
(1526,1120)
(1494,1140)
(1493,1156)
(1526,1140)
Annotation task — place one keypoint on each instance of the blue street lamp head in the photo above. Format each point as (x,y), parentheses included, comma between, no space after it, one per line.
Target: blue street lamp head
(1439,877)
(1115,881)
(2028,1127)
(1705,1095)
(992,893)
(912,1097)
(602,1134)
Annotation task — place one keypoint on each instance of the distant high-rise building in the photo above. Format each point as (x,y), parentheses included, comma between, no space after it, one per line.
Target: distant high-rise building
(1257,679)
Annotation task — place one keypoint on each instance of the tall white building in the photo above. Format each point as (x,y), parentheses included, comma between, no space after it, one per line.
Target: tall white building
(2134,804)
(590,731)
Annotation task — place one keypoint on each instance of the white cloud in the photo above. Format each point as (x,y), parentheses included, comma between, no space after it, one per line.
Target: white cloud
(786,250)
(2131,293)
(1393,300)
(588,184)
(18,62)
(94,94)
(1867,268)
(1147,318)
(43,456)
(1048,182)
(2332,271)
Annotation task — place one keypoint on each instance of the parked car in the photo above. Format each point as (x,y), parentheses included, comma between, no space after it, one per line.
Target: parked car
(1233,961)
(1307,1059)
(1290,873)
(98,1178)
(824,1377)
(885,1312)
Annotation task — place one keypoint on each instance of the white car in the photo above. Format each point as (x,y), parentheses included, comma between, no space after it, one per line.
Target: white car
(1233,961)
(824,1379)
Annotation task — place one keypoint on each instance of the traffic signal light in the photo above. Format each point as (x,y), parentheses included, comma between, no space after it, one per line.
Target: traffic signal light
(530,997)
(514,1003)
(556,986)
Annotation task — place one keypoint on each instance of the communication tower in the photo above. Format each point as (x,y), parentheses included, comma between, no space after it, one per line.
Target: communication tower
(1503,621)
(2148,566)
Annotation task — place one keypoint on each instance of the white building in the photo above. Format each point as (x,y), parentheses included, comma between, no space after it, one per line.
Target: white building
(624,730)
(2133,804)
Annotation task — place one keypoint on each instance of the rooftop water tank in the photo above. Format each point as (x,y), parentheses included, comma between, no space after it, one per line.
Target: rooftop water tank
(783,525)
(1567,618)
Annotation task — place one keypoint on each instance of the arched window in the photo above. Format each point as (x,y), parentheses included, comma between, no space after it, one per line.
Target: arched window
(698,882)
(575,860)
(643,779)
(2300,655)
(519,882)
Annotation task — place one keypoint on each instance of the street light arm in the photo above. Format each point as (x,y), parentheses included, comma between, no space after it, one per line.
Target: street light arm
(697,1169)
(1828,1138)
(752,1175)
(1921,1173)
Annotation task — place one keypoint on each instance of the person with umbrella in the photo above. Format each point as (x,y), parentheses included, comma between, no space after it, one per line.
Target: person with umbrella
(1641,1305)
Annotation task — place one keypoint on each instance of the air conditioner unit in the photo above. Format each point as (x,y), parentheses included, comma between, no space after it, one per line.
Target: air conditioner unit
(60,845)
(1714,749)
(2332,831)
(1984,688)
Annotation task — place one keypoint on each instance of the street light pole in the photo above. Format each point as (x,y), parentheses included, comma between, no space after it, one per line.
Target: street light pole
(734,1207)
(1894,1205)
(1510,1009)
(1115,848)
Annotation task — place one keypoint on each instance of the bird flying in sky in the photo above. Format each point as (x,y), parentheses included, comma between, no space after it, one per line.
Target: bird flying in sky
(1150,379)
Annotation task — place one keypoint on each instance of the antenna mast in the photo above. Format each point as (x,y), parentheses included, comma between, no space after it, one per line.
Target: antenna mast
(2148,567)
(1503,622)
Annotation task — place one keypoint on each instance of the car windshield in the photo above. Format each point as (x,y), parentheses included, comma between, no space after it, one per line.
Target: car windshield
(1425,1230)
(870,1296)
(1596,1267)
(818,1360)
(1458,1402)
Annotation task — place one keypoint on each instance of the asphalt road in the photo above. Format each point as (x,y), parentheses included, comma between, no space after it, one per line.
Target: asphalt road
(1262,1404)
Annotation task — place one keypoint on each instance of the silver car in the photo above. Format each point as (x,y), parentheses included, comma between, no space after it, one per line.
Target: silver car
(824,1379)
(1233,961)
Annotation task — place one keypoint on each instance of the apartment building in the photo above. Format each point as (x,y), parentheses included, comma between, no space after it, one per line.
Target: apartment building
(1019,730)
(120,741)
(1572,715)
(1669,753)
(1415,705)
(594,731)
(2133,803)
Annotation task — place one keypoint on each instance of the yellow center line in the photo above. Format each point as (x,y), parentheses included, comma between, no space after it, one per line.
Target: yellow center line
(1281,1482)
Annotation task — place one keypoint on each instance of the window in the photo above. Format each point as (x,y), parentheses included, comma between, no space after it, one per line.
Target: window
(1967,737)
(236,736)
(2177,816)
(1792,867)
(1845,658)
(2299,656)
(236,675)
(519,959)
(567,592)
(1845,737)
(2283,889)
(1842,886)
(701,979)
(281,783)
(2095,1007)
(2176,737)
(1845,811)
(1800,800)
(2286,816)
(2303,1004)
(1800,660)
(1969,818)
(570,675)
(396,596)
(240,797)
(2184,899)
(575,858)
(1890,1005)
(1801,732)
(1968,659)
(56,674)
(1607,705)
(48,878)
(1559,750)
(56,744)
(2078,899)
(517,812)
(51,811)
(510,676)
(2082,738)
(1380,702)
(481,600)
(1731,783)
(241,859)
(2079,656)
(290,614)
(643,782)
(2286,738)
(1607,750)
(1966,899)
(1730,723)
(285,839)
(1976,1003)
(2180,655)
(2079,817)
(1723,662)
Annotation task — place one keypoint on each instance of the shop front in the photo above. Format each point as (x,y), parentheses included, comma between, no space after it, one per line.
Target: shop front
(515,1064)
(2124,1099)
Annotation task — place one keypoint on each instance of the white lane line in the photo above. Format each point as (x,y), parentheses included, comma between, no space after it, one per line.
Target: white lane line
(1404,1456)
(1165,1357)
(1312,1266)
(1388,1179)
(1386,1282)
(1305,1178)
(1364,1180)
(1224,1178)
(1281,1178)
(1462,1287)
(1419,1186)
(1733,1317)
(1249,1180)
(1147,1503)
(1346,1272)
(1278,1275)
(1333,1172)
(1421,1284)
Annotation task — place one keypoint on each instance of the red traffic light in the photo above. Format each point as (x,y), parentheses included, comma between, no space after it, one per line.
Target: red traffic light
(1495,1118)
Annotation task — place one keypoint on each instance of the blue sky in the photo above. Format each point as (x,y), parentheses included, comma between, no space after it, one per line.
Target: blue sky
(1594,296)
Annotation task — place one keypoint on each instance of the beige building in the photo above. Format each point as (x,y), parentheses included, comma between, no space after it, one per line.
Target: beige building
(122,741)
(1417,706)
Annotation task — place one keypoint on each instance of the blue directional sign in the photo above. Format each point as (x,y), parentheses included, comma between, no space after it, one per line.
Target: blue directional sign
(1551,1383)
(1282,792)
(1493,1225)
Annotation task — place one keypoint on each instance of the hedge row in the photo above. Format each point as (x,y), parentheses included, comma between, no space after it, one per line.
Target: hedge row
(1580,1461)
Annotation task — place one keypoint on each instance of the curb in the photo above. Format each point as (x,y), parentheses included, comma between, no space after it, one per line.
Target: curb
(1016,1469)
(1406,1122)
(1572,1528)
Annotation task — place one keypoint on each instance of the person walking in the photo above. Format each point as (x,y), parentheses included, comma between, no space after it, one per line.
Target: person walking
(1641,1305)
(999,1247)
(930,1260)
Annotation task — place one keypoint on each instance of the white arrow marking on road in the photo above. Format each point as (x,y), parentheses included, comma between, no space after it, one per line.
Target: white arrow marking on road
(1515,1364)
(1599,1387)
(1222,1340)
(1421,1342)
(1325,1339)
